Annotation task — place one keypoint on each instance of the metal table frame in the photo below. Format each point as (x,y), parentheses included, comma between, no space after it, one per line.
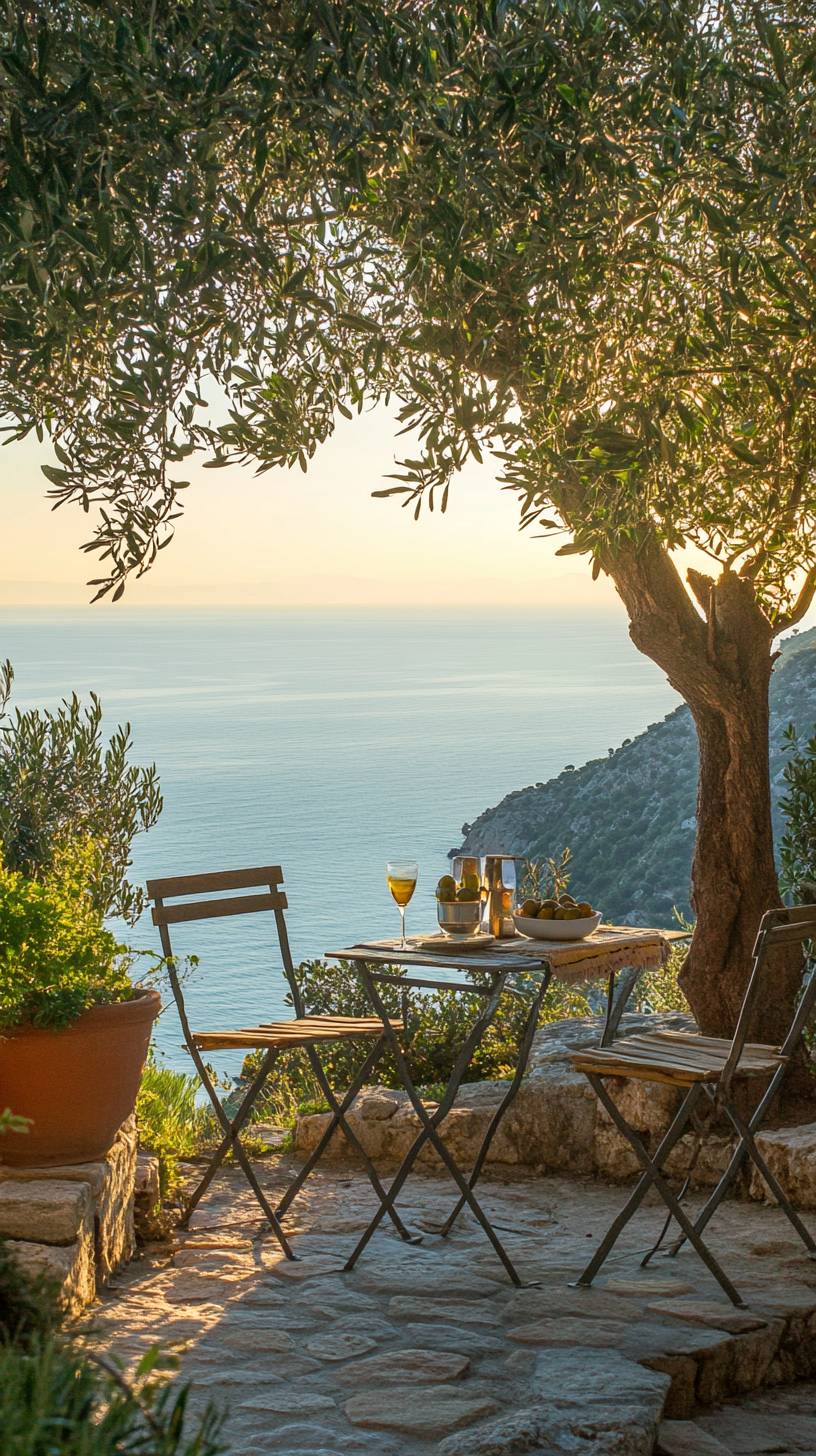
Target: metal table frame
(494,971)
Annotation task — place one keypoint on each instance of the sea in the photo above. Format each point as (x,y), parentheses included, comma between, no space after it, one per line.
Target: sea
(328,741)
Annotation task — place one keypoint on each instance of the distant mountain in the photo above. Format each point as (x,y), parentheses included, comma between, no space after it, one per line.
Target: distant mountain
(629,819)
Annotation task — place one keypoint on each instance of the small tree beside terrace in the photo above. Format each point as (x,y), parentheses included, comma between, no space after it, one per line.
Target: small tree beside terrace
(578,237)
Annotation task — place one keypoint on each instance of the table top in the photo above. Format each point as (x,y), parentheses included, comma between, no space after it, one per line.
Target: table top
(516,953)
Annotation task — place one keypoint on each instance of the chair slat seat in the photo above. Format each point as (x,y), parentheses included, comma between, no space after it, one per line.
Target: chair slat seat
(300,1031)
(702,1069)
(677,1058)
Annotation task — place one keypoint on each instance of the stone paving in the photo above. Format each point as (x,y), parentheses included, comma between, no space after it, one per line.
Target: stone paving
(429,1349)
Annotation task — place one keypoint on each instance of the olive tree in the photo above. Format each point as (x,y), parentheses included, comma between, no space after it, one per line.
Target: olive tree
(575,236)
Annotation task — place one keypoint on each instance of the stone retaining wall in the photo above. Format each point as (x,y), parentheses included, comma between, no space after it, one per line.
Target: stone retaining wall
(75,1223)
(556,1124)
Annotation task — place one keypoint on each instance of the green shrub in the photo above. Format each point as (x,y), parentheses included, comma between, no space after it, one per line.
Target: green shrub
(438,1023)
(56,957)
(660,990)
(61,784)
(56,1401)
(171,1123)
(797,847)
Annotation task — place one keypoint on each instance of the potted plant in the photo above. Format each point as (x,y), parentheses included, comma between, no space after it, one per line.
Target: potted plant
(74,1027)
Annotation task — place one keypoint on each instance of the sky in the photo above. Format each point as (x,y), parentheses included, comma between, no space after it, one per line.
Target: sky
(315,540)
(289,539)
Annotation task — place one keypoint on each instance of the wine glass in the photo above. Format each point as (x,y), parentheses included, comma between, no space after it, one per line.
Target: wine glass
(402,877)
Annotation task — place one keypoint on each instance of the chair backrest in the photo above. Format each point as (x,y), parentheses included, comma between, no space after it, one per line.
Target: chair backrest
(788,925)
(266,880)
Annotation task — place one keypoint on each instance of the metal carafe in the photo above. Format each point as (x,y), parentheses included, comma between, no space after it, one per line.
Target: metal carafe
(498,894)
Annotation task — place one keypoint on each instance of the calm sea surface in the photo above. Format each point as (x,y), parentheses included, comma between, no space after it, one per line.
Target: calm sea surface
(329,741)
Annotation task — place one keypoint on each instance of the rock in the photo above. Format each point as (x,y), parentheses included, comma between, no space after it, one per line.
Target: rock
(790,1153)
(307,1438)
(300,1269)
(426,1412)
(581,1407)
(285,1401)
(686,1438)
(407,1306)
(45,1211)
(421,1279)
(749,1433)
(112,1182)
(376,1104)
(556,1298)
(69,1266)
(254,1336)
(712,1312)
(147,1195)
(340,1345)
(600,1334)
(474,1342)
(650,1286)
(405,1367)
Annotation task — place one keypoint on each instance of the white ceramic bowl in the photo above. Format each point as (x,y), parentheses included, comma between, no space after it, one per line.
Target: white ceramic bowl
(557,929)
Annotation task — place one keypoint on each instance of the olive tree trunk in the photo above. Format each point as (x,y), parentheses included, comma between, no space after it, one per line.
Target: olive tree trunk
(719,659)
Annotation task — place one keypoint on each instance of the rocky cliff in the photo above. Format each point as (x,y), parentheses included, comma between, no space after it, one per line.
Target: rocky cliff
(629,819)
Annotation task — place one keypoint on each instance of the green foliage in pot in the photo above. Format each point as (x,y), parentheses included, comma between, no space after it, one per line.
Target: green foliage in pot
(57,959)
(61,782)
(797,848)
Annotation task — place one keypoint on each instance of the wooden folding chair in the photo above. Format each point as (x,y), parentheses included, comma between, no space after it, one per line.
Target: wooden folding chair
(705,1069)
(302,1032)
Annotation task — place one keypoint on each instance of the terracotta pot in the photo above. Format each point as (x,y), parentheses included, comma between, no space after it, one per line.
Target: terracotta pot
(78,1085)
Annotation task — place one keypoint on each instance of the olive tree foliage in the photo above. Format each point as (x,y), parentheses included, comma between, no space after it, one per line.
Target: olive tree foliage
(65,791)
(576,235)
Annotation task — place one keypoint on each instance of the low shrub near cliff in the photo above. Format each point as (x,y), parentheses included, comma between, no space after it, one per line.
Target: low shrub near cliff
(438,1022)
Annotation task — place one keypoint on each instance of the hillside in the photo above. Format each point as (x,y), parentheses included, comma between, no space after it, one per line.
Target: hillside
(629,819)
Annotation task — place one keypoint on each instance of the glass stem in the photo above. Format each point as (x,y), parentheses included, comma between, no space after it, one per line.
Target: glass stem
(402,918)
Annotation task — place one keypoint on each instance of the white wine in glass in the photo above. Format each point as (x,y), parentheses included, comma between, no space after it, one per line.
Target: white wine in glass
(402,878)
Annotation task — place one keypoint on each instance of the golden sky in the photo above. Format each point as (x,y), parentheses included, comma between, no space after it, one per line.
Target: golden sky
(313,540)
(285,538)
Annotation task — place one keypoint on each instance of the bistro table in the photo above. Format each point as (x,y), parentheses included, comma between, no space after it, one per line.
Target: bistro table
(515,966)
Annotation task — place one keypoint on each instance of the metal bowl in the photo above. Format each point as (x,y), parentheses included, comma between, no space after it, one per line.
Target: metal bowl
(459,917)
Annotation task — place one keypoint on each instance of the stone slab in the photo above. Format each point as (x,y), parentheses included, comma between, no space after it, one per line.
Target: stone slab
(405,1367)
(112,1182)
(687,1438)
(718,1315)
(69,1266)
(426,1412)
(45,1210)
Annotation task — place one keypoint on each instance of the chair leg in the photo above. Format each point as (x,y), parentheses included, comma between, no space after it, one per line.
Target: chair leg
(655,1177)
(428,1131)
(525,1048)
(231,1140)
(738,1158)
(746,1133)
(339,1110)
(644,1183)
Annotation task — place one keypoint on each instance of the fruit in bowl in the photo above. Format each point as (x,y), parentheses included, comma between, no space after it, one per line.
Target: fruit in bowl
(557,918)
(458,906)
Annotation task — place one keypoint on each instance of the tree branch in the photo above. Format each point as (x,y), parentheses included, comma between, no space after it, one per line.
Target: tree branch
(801,605)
